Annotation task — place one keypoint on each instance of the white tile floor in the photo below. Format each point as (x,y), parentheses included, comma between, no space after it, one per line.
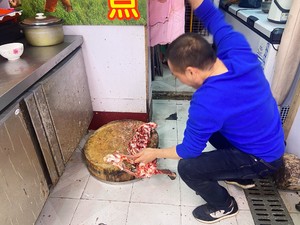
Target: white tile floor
(80,199)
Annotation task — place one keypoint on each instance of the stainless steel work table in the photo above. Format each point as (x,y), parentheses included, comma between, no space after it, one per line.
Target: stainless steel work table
(19,75)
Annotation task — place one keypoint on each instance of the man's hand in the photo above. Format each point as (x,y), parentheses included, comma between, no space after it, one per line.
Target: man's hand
(146,155)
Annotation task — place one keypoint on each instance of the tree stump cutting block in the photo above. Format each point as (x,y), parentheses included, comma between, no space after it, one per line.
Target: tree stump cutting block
(288,176)
(114,136)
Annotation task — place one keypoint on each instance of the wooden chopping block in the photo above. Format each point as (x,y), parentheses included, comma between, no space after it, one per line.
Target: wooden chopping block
(114,136)
(288,176)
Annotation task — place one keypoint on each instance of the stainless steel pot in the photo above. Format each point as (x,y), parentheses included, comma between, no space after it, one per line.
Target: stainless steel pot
(43,30)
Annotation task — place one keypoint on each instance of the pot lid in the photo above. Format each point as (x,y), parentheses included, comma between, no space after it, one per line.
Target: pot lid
(40,19)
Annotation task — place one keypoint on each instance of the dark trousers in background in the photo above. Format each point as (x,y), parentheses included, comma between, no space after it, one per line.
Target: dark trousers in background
(225,163)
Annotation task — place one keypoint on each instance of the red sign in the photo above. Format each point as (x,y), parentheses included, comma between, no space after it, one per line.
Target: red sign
(123,9)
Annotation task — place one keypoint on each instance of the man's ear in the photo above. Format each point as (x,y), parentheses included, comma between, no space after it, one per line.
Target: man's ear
(190,71)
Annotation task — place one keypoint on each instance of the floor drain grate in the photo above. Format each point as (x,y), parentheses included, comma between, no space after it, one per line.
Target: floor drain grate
(266,205)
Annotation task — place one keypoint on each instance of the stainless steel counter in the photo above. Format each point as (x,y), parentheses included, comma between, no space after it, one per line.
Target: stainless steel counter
(17,76)
(256,20)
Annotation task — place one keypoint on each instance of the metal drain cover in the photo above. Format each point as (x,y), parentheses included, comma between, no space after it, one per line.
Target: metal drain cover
(266,205)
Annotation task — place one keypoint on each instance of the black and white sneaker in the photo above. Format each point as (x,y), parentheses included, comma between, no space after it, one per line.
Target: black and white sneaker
(245,184)
(208,214)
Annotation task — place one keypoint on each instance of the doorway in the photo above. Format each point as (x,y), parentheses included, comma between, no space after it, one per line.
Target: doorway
(164,84)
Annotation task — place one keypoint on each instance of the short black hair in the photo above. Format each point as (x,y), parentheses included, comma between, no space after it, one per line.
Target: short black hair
(191,49)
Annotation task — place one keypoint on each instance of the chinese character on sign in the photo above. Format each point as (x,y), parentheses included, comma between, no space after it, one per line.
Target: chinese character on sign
(123,9)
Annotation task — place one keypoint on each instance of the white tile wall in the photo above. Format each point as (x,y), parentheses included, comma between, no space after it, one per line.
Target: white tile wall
(115,61)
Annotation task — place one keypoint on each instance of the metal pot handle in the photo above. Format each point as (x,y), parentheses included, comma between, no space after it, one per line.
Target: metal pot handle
(40,16)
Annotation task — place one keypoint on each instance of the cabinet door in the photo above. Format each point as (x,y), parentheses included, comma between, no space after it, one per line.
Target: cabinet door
(69,103)
(23,187)
(46,137)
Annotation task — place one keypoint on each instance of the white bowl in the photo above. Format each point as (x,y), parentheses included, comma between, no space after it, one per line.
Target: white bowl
(12,51)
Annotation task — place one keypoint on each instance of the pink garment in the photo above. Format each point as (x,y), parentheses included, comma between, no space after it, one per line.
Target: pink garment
(159,12)
(166,21)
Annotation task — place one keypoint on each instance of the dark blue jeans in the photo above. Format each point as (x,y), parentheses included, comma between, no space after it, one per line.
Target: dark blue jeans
(226,163)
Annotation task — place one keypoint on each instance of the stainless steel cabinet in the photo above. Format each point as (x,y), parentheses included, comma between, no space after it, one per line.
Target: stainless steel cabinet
(61,110)
(23,187)
(38,134)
